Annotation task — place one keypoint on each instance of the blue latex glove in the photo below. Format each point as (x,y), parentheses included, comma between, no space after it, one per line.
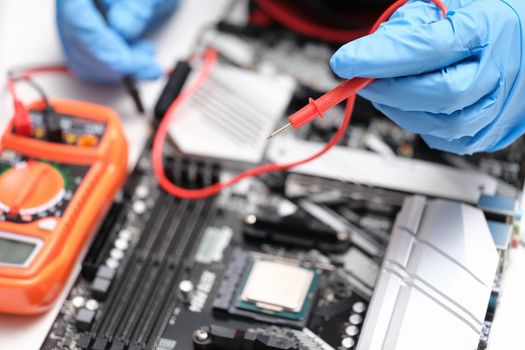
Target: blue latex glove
(458,82)
(105,52)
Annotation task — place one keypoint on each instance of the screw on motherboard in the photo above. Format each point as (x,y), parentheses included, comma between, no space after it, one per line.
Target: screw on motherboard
(250,219)
(201,335)
(343,236)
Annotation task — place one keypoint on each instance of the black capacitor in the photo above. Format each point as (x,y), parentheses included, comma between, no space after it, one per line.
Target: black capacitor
(84,340)
(84,318)
(100,287)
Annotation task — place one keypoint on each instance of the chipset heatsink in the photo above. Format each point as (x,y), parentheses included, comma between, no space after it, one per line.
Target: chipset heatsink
(277,288)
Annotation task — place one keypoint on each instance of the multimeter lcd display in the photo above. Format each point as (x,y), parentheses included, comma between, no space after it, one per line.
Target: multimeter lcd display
(14,252)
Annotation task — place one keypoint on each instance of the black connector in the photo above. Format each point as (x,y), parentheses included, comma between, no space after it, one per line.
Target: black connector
(172,88)
(52,125)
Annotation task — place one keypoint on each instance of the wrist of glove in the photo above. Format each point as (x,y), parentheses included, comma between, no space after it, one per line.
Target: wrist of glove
(103,52)
(459,81)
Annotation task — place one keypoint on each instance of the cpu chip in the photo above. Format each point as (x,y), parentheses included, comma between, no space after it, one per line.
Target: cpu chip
(278,288)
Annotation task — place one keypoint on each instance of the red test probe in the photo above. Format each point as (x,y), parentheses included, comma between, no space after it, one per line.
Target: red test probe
(316,108)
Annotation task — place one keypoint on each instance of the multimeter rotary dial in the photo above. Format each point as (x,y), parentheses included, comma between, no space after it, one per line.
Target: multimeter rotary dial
(29,189)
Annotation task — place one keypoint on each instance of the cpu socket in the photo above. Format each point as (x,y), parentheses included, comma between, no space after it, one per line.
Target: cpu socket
(267,288)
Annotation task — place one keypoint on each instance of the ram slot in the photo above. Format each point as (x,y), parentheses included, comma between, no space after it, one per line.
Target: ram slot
(176,254)
(103,329)
(102,243)
(182,254)
(155,269)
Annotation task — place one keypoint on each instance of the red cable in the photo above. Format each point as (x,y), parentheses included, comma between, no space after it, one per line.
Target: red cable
(21,119)
(301,25)
(160,137)
(346,90)
(29,72)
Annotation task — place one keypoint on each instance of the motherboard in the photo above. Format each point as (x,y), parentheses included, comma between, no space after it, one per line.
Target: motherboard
(248,269)
(354,253)
(219,273)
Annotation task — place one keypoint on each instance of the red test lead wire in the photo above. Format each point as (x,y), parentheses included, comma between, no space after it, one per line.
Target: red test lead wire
(314,109)
(158,143)
(21,119)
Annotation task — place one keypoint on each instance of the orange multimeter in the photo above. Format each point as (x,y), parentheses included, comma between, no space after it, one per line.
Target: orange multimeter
(53,193)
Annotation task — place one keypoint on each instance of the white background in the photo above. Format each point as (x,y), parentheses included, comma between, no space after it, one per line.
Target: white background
(28,36)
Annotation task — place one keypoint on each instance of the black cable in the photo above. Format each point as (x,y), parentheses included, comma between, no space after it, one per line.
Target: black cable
(50,119)
(37,88)
(17,75)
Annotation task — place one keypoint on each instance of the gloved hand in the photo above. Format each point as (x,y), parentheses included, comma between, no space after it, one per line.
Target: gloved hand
(105,52)
(458,82)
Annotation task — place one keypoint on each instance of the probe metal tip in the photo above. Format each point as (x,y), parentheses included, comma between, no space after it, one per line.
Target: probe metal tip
(131,87)
(278,131)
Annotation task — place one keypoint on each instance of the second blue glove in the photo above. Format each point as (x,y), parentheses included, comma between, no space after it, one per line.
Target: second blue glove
(105,52)
(458,82)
